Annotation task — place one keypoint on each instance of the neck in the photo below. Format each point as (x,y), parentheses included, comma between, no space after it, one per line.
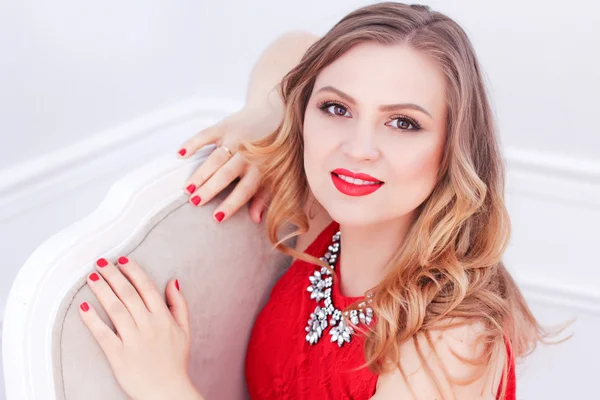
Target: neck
(364,251)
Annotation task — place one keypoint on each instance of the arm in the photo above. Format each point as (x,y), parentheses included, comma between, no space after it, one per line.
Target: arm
(261,115)
(264,91)
(478,382)
(182,390)
(274,63)
(187,391)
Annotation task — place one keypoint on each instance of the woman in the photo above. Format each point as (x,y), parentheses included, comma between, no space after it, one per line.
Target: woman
(382,150)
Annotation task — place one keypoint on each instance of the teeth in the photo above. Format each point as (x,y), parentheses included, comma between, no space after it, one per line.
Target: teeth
(356,181)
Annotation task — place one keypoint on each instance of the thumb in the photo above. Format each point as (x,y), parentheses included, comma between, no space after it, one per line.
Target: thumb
(258,203)
(178,305)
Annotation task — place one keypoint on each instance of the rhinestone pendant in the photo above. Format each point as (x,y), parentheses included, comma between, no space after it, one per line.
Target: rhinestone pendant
(320,287)
(316,325)
(341,333)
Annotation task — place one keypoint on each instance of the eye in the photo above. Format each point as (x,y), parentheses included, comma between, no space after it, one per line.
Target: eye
(331,108)
(404,123)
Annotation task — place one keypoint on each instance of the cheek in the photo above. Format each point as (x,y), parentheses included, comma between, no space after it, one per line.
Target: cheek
(310,137)
(417,170)
(312,149)
(419,164)
(320,140)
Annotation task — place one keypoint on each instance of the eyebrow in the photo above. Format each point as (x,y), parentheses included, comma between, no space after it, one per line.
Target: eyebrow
(383,108)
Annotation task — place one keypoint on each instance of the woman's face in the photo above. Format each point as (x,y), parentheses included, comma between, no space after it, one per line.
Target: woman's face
(360,131)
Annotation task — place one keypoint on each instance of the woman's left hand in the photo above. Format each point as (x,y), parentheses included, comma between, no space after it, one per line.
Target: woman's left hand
(149,353)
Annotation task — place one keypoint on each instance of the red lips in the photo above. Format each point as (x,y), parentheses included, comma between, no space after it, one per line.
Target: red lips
(364,177)
(351,189)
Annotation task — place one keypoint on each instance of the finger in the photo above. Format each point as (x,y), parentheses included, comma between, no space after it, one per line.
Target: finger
(229,172)
(258,204)
(239,196)
(145,286)
(178,305)
(216,160)
(200,139)
(104,335)
(124,290)
(116,310)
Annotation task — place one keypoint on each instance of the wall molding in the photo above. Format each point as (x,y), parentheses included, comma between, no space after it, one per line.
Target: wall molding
(553,176)
(22,187)
(560,295)
(553,164)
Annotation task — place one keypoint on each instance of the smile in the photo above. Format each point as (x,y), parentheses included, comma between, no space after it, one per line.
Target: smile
(354,185)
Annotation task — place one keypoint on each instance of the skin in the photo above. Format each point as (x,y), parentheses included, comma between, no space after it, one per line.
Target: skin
(390,146)
(384,144)
(152,338)
(261,114)
(358,137)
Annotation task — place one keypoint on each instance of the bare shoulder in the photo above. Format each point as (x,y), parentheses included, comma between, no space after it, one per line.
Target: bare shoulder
(318,219)
(289,47)
(300,38)
(450,355)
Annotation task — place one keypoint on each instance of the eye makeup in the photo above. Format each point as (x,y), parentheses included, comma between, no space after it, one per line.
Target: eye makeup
(324,106)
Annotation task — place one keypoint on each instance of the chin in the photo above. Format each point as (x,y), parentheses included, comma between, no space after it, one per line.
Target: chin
(352,216)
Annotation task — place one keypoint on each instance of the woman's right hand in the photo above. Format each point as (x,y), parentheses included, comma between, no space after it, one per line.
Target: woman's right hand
(220,169)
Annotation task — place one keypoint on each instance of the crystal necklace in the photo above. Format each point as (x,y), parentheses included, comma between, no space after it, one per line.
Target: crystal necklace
(320,289)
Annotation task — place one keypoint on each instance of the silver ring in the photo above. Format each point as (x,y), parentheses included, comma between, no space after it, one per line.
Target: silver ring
(227,150)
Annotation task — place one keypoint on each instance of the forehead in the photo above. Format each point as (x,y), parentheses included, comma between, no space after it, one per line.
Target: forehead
(375,74)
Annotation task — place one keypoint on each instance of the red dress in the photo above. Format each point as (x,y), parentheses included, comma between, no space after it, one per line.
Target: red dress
(281,364)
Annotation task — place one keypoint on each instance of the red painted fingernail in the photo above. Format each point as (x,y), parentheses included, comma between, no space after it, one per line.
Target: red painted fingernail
(182,152)
(196,200)
(177,284)
(94,276)
(123,260)
(102,262)
(84,306)
(219,216)
(191,188)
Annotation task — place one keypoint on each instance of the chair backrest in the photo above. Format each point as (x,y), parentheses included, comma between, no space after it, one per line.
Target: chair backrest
(225,271)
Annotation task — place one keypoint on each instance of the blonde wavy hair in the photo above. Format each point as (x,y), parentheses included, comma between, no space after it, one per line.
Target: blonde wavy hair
(449,265)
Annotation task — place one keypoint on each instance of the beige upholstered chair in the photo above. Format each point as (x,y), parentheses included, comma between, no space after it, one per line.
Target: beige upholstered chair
(225,270)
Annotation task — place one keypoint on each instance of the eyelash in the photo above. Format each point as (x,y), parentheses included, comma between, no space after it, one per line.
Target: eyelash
(324,105)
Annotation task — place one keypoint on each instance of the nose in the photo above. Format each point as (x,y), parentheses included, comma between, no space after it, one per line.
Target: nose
(360,144)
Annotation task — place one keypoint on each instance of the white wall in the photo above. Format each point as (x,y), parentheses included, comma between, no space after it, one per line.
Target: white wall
(91,90)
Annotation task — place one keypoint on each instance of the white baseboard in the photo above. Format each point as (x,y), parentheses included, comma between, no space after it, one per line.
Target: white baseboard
(549,176)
